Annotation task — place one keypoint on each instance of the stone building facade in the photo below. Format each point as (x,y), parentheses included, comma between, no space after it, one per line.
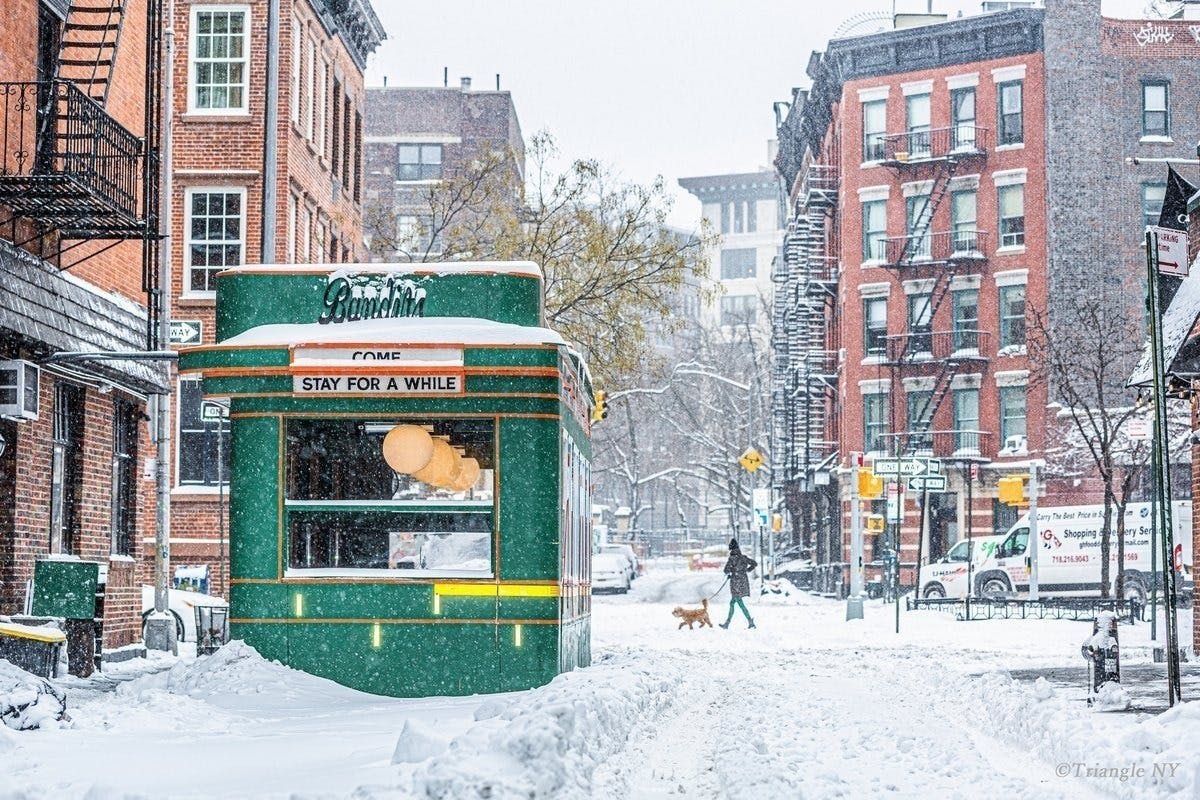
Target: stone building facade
(949,183)
(220,79)
(418,136)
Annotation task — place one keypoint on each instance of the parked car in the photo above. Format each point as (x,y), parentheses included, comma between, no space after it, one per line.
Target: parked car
(799,571)
(182,605)
(610,573)
(626,552)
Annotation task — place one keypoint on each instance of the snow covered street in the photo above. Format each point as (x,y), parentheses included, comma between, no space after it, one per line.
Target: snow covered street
(806,706)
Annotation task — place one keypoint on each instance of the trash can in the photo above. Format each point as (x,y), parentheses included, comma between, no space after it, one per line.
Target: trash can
(212,629)
(33,649)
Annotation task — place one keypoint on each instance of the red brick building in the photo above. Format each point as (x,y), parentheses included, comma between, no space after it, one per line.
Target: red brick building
(76,247)
(221,218)
(948,182)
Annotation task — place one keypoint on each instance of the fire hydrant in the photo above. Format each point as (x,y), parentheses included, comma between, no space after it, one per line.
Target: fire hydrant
(1102,652)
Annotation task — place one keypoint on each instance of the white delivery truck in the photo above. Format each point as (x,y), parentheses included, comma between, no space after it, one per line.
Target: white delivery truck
(1069,557)
(947,577)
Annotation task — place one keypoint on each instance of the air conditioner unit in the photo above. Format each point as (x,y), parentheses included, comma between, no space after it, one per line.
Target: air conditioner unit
(1015,443)
(19,389)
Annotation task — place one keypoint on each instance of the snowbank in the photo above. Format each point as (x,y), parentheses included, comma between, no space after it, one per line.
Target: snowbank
(27,701)
(548,741)
(1157,753)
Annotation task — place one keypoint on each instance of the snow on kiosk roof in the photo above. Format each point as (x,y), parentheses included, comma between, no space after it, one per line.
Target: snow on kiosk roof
(403,440)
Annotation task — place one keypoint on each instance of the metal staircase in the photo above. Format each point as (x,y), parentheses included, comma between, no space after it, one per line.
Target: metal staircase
(88,53)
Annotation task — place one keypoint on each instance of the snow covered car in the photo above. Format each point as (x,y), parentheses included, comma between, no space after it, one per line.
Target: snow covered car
(799,571)
(182,605)
(626,552)
(610,573)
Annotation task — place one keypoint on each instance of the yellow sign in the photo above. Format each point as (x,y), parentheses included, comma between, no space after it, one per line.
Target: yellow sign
(751,460)
(875,523)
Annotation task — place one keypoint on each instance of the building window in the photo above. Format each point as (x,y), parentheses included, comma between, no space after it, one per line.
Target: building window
(962,118)
(875,422)
(1152,202)
(917,124)
(418,162)
(740,263)
(1012,413)
(726,210)
(124,477)
(310,86)
(920,214)
(348,142)
(751,216)
(380,519)
(1012,316)
(322,237)
(322,90)
(215,235)
(966,319)
(1012,215)
(220,53)
(739,217)
(874,222)
(335,143)
(920,323)
(355,136)
(297,36)
(293,203)
(920,420)
(874,129)
(203,432)
(738,309)
(306,235)
(966,420)
(875,326)
(66,467)
(1156,117)
(1010,113)
(963,222)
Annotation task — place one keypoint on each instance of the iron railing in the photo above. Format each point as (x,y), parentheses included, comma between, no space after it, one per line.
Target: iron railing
(819,186)
(63,159)
(963,344)
(965,244)
(925,144)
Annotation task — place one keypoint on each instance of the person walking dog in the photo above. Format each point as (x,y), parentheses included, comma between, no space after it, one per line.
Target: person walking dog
(738,568)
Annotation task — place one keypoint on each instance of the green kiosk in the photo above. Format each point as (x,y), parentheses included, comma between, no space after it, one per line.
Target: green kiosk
(409,480)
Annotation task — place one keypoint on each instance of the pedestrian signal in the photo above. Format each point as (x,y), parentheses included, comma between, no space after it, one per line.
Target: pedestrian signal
(870,485)
(600,406)
(1012,490)
(875,523)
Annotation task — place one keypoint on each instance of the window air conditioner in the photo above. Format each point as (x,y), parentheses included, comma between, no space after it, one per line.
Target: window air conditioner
(19,389)
(1015,443)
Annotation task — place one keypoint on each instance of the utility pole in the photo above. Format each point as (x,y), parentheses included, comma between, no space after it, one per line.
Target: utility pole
(1033,543)
(160,627)
(854,603)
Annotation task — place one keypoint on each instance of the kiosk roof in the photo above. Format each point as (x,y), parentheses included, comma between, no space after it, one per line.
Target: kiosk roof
(468,331)
(523,268)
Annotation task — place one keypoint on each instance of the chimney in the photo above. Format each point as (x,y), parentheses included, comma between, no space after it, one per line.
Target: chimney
(466,84)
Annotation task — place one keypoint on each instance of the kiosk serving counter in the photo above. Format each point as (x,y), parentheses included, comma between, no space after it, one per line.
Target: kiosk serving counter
(409,481)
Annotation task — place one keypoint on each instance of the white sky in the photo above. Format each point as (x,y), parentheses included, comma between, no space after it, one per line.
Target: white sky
(651,87)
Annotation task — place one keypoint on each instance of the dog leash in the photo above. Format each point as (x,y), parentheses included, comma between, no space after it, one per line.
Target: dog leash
(719,588)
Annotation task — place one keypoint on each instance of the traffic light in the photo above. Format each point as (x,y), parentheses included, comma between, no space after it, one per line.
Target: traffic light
(600,406)
(777,522)
(870,486)
(1012,490)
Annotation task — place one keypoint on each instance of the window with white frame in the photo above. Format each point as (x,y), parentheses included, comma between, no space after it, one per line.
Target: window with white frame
(966,319)
(1012,215)
(322,237)
(1156,119)
(1012,412)
(874,129)
(920,215)
(874,223)
(962,117)
(917,119)
(297,36)
(216,235)
(1010,113)
(220,53)
(322,89)
(966,420)
(738,263)
(1012,316)
(875,422)
(310,72)
(875,326)
(1153,195)
(963,213)
(293,204)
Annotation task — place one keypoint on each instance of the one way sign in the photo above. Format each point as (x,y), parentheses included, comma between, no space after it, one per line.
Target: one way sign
(186,331)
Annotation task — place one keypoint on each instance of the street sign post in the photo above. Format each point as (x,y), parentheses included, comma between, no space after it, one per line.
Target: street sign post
(906,467)
(186,331)
(1171,251)
(927,483)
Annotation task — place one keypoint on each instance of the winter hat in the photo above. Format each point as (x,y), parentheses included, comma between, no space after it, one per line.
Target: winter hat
(733,546)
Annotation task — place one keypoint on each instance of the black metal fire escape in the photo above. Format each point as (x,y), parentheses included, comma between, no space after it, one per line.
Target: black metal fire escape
(934,156)
(70,173)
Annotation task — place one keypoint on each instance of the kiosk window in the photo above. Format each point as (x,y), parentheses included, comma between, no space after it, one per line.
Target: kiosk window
(410,496)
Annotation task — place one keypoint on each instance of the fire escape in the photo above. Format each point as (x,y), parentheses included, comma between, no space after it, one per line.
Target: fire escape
(806,289)
(935,257)
(70,173)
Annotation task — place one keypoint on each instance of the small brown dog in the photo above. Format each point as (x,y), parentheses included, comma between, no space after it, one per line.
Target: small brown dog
(693,615)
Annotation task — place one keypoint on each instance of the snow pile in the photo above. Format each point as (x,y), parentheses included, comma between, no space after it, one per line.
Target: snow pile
(1111,696)
(27,701)
(548,741)
(235,669)
(417,743)
(1159,750)
(683,588)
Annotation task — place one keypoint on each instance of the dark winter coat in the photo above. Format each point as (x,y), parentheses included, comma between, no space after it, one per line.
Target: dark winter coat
(738,568)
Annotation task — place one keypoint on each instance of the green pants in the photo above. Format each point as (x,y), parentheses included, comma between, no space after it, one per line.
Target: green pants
(738,602)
